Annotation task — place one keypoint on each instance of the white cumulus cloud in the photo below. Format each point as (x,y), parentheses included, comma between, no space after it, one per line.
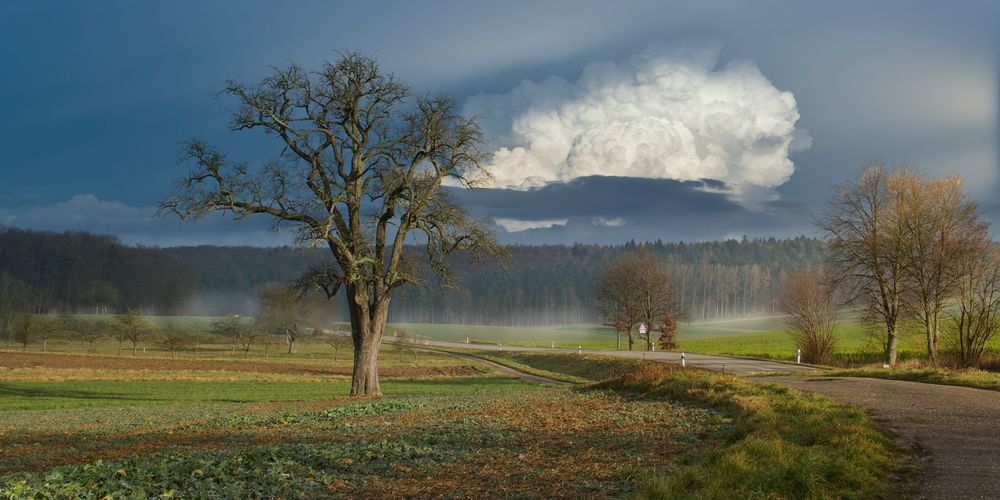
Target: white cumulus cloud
(668,113)
(515,225)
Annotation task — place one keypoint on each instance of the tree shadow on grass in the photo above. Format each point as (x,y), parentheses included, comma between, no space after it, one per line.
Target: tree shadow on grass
(7,390)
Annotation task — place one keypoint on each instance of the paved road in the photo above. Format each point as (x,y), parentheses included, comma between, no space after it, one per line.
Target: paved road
(737,366)
(955,431)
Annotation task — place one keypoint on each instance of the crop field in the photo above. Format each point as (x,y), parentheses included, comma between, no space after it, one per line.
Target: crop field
(238,428)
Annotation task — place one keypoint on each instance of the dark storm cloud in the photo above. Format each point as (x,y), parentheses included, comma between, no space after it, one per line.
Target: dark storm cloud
(101,94)
(615,209)
(140,225)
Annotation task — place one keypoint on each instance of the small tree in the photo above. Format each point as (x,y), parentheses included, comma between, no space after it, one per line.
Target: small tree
(406,339)
(174,338)
(25,328)
(67,326)
(976,318)
(15,298)
(90,332)
(236,332)
(668,337)
(131,327)
(282,311)
(337,341)
(812,314)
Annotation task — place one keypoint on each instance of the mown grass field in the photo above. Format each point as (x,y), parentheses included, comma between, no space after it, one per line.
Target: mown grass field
(282,428)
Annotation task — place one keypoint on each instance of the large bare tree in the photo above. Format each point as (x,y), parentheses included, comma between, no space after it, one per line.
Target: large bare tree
(866,249)
(941,230)
(361,170)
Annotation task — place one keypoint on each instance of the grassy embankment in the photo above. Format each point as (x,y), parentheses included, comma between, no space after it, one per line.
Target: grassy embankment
(783,443)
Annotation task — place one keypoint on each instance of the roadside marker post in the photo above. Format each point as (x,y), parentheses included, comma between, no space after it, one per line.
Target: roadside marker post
(798,357)
(683,361)
(579,349)
(553,345)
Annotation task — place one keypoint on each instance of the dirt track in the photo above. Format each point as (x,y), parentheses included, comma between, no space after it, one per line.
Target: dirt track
(954,431)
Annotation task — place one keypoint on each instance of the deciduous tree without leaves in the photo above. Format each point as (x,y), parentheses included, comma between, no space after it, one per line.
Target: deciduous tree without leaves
(360,172)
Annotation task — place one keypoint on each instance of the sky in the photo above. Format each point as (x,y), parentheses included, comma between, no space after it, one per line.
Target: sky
(605,121)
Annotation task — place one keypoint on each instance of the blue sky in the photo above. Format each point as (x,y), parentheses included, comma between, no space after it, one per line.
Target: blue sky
(98,96)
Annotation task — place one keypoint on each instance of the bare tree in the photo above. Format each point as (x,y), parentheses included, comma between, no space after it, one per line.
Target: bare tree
(132,327)
(337,342)
(361,172)
(866,250)
(90,332)
(976,318)
(283,311)
(234,331)
(811,311)
(637,287)
(617,299)
(942,229)
(173,338)
(14,299)
(656,290)
(23,328)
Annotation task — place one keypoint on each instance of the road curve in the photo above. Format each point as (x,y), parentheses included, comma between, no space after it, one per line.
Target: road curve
(736,366)
(952,430)
(506,370)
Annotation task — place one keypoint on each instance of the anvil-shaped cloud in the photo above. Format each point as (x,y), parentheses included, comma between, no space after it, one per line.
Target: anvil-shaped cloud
(667,113)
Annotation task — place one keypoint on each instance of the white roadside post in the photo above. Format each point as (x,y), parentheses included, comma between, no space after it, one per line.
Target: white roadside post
(798,357)
(553,345)
(683,360)
(579,349)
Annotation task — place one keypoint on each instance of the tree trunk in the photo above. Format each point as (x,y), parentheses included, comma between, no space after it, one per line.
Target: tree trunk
(134,344)
(290,341)
(367,326)
(890,345)
(931,324)
(631,340)
(45,345)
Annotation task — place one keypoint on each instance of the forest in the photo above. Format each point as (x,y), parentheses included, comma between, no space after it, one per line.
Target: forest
(537,285)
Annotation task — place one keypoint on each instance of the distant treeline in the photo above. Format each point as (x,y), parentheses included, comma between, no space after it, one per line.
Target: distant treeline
(80,271)
(541,285)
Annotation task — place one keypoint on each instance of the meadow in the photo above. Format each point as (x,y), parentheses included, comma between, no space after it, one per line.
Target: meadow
(156,426)
(245,428)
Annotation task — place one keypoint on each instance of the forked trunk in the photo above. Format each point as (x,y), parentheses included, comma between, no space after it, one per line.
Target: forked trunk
(367,326)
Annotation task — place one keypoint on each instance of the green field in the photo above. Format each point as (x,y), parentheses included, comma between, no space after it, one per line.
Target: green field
(647,430)
(88,394)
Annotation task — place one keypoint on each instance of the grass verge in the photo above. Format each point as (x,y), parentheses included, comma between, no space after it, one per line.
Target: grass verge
(970,377)
(784,443)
